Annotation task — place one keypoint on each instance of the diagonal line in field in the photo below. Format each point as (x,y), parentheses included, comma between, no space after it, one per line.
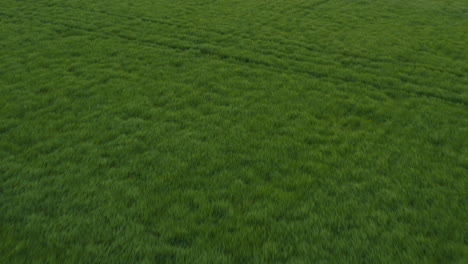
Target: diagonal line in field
(244,60)
(294,60)
(297,44)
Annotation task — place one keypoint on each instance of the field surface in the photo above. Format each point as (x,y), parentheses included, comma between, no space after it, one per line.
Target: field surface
(233,131)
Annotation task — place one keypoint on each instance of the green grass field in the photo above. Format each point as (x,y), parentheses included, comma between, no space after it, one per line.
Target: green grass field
(233,131)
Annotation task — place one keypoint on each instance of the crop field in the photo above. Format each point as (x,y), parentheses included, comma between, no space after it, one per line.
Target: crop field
(233,131)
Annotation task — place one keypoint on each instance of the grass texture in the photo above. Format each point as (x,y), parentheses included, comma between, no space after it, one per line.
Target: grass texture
(233,131)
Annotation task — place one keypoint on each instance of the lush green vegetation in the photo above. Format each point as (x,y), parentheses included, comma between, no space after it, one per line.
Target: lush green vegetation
(246,131)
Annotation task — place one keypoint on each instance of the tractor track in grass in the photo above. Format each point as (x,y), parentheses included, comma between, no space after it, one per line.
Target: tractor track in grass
(349,76)
(325,75)
(317,51)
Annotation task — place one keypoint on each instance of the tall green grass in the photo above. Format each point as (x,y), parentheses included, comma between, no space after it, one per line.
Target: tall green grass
(203,131)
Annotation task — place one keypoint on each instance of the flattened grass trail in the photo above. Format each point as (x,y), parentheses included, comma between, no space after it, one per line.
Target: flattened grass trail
(233,131)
